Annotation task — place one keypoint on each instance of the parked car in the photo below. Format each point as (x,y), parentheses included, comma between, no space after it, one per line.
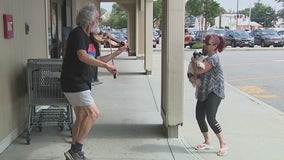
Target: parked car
(281,33)
(124,31)
(116,37)
(267,37)
(200,35)
(192,30)
(187,38)
(220,32)
(238,38)
(193,39)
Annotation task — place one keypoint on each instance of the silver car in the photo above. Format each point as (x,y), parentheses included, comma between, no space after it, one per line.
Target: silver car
(267,37)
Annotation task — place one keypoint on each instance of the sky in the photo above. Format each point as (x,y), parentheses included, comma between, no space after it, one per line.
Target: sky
(227,4)
(232,4)
(107,6)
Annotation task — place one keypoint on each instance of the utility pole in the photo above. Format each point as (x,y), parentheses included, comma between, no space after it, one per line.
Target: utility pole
(249,17)
(202,16)
(237,14)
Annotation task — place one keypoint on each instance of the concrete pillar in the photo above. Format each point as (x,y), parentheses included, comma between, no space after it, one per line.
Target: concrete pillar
(140,28)
(148,16)
(132,31)
(130,8)
(98,5)
(172,66)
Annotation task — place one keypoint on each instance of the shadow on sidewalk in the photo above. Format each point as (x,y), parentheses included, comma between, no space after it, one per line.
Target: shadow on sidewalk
(127,131)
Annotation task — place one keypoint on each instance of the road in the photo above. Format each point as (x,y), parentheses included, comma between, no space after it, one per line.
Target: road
(259,73)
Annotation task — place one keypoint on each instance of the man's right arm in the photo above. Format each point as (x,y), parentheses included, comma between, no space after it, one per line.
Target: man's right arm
(85,58)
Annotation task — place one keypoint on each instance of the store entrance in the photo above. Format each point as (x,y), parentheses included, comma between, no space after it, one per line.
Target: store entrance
(59,26)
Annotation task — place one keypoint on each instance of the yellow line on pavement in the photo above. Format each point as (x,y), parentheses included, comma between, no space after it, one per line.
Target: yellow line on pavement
(257,92)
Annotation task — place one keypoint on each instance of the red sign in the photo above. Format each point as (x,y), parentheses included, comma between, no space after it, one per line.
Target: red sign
(8,26)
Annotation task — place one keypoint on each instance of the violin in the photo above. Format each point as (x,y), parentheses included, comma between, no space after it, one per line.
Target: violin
(107,39)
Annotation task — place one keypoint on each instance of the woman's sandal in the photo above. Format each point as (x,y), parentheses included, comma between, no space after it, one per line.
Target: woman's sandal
(223,151)
(203,147)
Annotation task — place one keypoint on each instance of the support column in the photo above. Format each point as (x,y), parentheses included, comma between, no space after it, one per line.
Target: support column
(131,24)
(98,5)
(131,8)
(140,28)
(172,66)
(148,16)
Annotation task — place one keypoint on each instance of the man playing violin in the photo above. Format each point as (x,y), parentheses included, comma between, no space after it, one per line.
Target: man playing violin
(77,74)
(100,37)
(97,37)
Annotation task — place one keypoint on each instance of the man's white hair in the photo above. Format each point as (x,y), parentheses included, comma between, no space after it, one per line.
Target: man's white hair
(86,15)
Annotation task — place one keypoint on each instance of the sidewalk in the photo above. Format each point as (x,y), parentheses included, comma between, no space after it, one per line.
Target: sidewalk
(130,125)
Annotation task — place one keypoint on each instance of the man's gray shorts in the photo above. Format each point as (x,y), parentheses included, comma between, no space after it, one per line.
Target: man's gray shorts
(83,98)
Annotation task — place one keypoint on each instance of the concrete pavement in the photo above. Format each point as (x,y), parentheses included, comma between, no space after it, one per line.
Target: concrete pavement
(130,125)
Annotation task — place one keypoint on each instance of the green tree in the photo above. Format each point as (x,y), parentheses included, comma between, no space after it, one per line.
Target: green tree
(103,11)
(194,7)
(157,12)
(245,12)
(118,18)
(209,9)
(263,14)
(222,10)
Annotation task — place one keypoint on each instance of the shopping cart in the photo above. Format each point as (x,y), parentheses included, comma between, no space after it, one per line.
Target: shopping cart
(47,103)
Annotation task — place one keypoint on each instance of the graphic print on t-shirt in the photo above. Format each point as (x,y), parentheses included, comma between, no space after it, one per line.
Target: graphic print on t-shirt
(92,50)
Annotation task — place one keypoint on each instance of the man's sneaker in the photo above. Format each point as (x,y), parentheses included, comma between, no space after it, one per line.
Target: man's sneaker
(70,155)
(82,154)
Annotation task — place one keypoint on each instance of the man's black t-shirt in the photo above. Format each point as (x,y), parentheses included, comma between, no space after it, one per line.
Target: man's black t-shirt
(76,76)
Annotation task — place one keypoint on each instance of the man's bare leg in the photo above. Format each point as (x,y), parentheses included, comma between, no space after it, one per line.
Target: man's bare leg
(89,116)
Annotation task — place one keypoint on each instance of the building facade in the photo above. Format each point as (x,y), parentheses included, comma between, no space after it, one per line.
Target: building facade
(30,29)
(243,22)
(39,29)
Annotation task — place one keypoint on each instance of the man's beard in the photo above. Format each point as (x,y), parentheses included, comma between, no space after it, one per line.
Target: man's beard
(96,30)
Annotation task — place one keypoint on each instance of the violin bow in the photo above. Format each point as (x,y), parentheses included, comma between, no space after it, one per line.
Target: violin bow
(112,61)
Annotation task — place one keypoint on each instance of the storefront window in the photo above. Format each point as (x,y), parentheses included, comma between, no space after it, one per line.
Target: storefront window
(60,21)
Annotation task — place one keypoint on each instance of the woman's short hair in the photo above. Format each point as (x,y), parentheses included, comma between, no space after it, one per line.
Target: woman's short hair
(86,15)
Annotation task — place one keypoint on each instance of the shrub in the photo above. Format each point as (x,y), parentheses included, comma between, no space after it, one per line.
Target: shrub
(197,45)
